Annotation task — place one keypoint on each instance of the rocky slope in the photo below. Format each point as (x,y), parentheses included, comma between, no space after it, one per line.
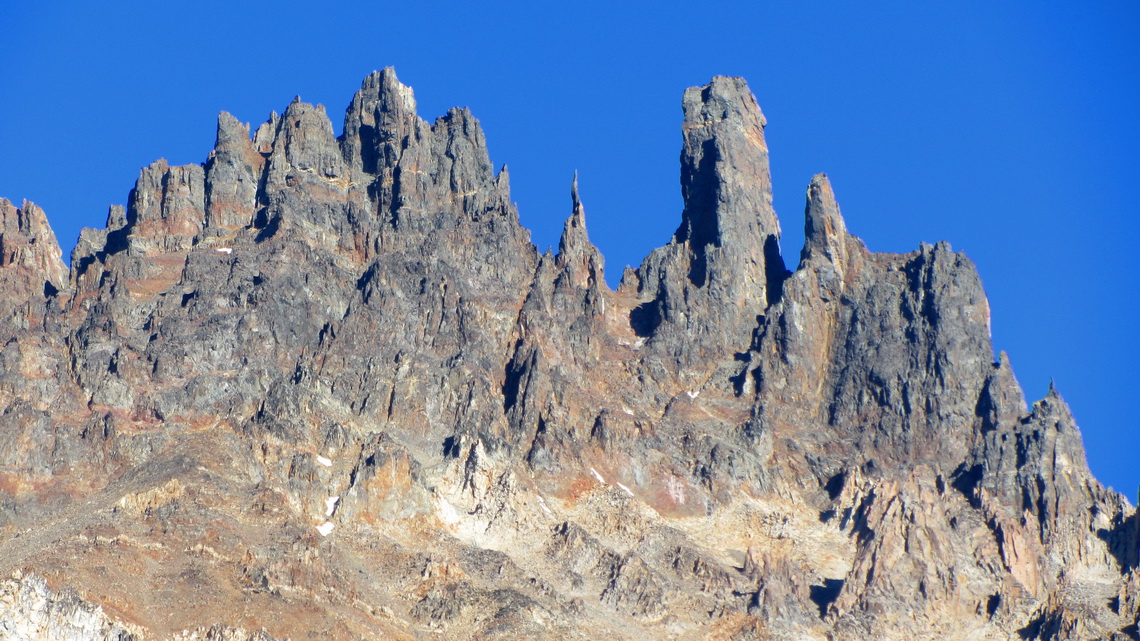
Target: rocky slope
(327,387)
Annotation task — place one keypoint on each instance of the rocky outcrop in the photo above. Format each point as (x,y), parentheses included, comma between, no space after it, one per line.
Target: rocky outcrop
(705,291)
(325,386)
(31,264)
(32,611)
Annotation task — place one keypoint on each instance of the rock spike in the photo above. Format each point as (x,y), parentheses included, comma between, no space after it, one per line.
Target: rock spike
(825,233)
(574,235)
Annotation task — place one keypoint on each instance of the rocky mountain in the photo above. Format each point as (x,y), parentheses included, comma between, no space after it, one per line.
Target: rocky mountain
(322,387)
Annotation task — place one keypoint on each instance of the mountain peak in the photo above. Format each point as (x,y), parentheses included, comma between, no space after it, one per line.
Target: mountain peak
(326,387)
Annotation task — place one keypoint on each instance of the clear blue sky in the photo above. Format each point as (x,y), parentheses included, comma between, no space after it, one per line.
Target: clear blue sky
(1010,129)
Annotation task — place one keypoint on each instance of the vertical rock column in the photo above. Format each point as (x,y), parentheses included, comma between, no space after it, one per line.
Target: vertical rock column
(232,175)
(706,288)
(728,221)
(805,321)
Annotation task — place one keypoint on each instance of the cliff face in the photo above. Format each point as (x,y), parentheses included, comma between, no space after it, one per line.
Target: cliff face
(327,386)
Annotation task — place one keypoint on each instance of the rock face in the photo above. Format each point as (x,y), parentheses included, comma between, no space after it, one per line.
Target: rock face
(327,387)
(708,287)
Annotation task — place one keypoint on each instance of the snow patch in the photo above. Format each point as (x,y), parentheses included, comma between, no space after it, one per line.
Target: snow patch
(627,411)
(447,512)
(625,489)
(542,502)
(330,505)
(225,250)
(325,528)
(597,476)
(324,461)
(693,394)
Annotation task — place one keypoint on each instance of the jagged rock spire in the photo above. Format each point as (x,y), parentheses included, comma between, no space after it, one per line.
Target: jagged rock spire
(825,234)
(28,245)
(727,187)
(232,175)
(167,208)
(575,226)
(580,259)
(381,114)
(306,140)
(723,268)
(577,202)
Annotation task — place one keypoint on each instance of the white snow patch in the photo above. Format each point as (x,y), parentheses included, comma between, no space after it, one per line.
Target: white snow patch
(597,476)
(693,394)
(325,528)
(324,461)
(225,250)
(447,512)
(542,502)
(330,505)
(627,411)
(625,489)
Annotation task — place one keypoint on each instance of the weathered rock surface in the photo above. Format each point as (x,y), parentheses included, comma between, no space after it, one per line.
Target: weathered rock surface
(326,387)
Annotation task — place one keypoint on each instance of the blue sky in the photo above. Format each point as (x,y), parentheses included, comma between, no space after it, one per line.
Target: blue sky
(1009,129)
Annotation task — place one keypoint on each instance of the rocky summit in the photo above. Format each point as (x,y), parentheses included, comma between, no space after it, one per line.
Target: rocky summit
(322,387)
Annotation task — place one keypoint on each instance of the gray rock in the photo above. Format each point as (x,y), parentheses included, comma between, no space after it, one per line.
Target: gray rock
(705,291)
(327,387)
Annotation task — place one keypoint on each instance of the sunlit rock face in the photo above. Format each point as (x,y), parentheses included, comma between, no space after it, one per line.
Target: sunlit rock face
(323,387)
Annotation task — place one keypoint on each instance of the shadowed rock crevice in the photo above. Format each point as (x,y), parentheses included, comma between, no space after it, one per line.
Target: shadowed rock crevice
(824,595)
(645,318)
(1123,540)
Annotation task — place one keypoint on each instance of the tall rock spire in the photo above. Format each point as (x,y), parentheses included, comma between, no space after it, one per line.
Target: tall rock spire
(574,247)
(381,114)
(825,233)
(723,267)
(232,174)
(728,220)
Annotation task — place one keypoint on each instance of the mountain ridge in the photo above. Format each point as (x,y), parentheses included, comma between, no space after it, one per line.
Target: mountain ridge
(719,448)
